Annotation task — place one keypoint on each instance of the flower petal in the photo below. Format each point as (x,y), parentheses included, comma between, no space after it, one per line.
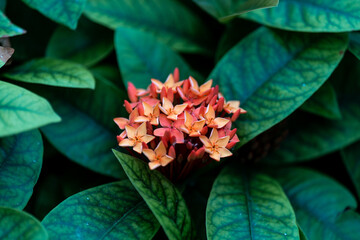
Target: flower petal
(121,122)
(147,109)
(158,84)
(198,125)
(165,160)
(160,150)
(205,141)
(214,136)
(169,83)
(138,147)
(215,156)
(221,122)
(166,104)
(164,121)
(150,154)
(179,108)
(130,131)
(222,142)
(179,136)
(210,113)
(127,143)
(224,152)
(159,132)
(141,119)
(147,138)
(141,130)
(206,87)
(154,164)
(188,119)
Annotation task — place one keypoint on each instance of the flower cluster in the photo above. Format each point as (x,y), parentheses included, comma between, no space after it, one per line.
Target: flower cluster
(179,123)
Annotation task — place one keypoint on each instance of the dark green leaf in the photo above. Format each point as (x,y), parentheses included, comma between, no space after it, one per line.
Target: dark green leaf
(53,72)
(162,197)
(142,57)
(111,211)
(310,15)
(246,205)
(321,204)
(351,158)
(66,12)
(170,21)
(21,110)
(20,165)
(2,5)
(89,44)
(324,103)
(225,10)
(273,72)
(109,72)
(354,45)
(15,224)
(7,29)
(302,234)
(5,54)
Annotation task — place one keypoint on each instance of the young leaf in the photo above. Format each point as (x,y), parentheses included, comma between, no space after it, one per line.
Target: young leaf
(89,44)
(225,10)
(354,45)
(273,72)
(53,72)
(323,103)
(310,15)
(321,204)
(110,211)
(249,206)
(7,29)
(169,20)
(66,12)
(21,110)
(5,54)
(351,159)
(162,197)
(15,224)
(142,57)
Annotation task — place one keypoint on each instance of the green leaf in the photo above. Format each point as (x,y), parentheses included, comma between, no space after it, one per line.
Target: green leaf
(110,211)
(324,103)
(2,5)
(321,204)
(20,166)
(245,205)
(15,224)
(83,140)
(310,15)
(66,12)
(109,72)
(302,234)
(53,72)
(142,57)
(225,10)
(7,29)
(351,159)
(169,20)
(273,72)
(354,45)
(89,44)
(162,197)
(5,55)
(21,110)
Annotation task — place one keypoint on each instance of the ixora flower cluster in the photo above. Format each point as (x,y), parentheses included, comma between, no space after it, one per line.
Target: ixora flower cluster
(179,124)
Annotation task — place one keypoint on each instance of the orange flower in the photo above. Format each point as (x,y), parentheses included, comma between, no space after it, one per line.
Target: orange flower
(202,90)
(192,127)
(213,122)
(122,122)
(151,114)
(158,157)
(171,111)
(168,84)
(215,146)
(232,106)
(136,137)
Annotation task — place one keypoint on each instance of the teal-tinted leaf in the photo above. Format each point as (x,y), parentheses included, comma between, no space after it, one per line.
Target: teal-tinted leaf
(162,197)
(2,5)
(245,205)
(15,224)
(142,57)
(53,72)
(302,234)
(273,72)
(20,165)
(109,72)
(354,45)
(66,12)
(7,29)
(169,20)
(5,54)
(83,140)
(21,110)
(89,44)
(351,158)
(324,103)
(225,10)
(110,211)
(310,15)
(321,204)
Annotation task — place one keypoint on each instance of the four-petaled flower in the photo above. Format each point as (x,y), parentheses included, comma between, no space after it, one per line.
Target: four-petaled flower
(202,90)
(172,112)
(212,121)
(168,84)
(215,146)
(151,114)
(158,157)
(136,137)
(192,127)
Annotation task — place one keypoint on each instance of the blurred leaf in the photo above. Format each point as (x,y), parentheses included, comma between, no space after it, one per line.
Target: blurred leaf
(66,12)
(111,211)
(8,29)
(354,45)
(142,57)
(53,72)
(302,234)
(21,110)
(5,55)
(169,20)
(273,72)
(225,10)
(15,224)
(109,72)
(351,159)
(83,140)
(20,166)
(162,197)
(246,205)
(323,103)
(321,204)
(89,44)
(2,5)
(310,15)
